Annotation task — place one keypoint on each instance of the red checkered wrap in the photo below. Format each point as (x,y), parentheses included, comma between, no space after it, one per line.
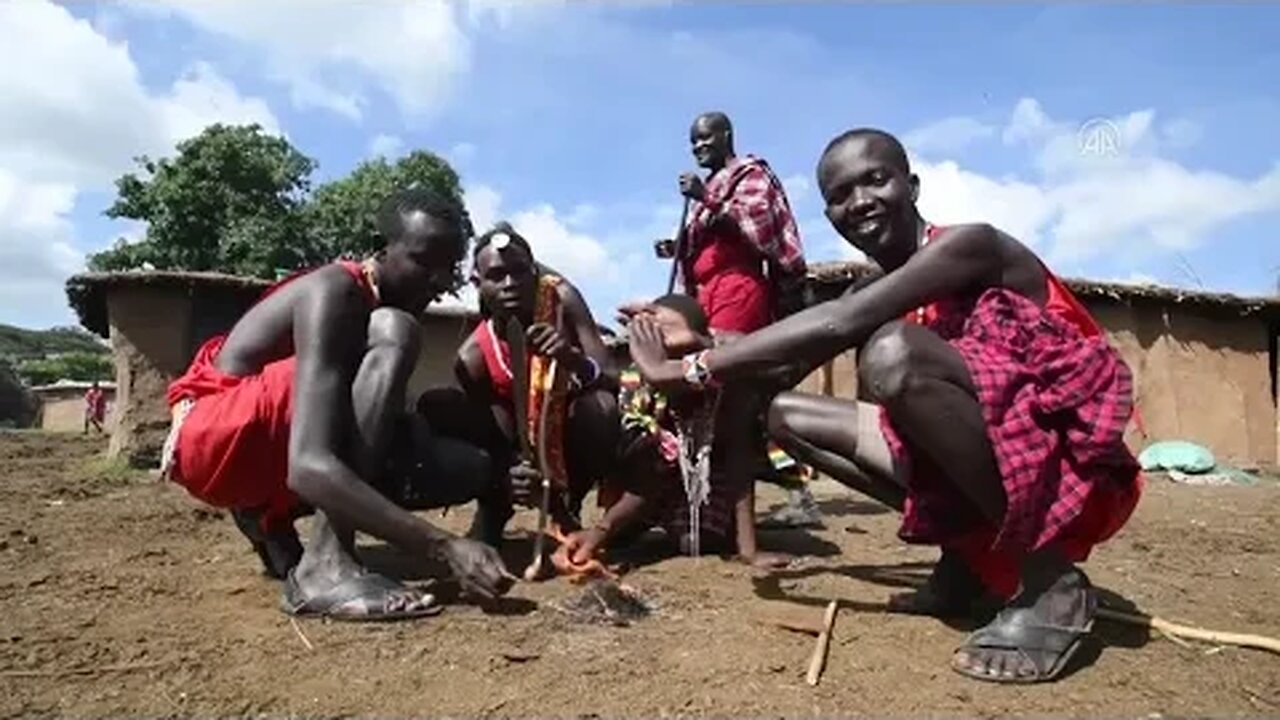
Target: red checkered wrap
(1056,404)
(747,192)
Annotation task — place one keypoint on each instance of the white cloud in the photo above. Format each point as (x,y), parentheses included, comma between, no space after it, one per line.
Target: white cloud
(462,152)
(1088,197)
(326,51)
(554,240)
(949,135)
(388,146)
(36,252)
(74,115)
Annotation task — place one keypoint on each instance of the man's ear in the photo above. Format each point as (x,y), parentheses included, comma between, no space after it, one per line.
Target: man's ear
(915,187)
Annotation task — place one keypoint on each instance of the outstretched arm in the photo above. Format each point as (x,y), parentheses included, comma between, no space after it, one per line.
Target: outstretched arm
(967,258)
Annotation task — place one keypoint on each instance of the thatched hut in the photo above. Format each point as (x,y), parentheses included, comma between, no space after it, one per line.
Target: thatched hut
(1205,363)
(157,320)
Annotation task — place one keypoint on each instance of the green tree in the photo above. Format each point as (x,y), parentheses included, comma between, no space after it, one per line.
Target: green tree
(229,201)
(342,215)
(81,366)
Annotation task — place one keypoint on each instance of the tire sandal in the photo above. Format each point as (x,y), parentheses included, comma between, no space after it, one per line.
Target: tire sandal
(1046,647)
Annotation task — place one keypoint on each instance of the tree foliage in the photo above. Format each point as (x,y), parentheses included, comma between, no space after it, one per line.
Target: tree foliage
(235,199)
(81,366)
(229,201)
(21,343)
(342,215)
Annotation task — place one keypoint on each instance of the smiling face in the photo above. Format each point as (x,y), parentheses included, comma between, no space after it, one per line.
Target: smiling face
(506,279)
(422,262)
(870,196)
(711,140)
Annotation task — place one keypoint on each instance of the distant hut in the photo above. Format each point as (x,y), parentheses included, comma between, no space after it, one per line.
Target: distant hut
(157,320)
(62,407)
(1205,364)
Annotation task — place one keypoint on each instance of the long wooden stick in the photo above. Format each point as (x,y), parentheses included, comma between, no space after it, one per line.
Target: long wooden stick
(679,249)
(819,658)
(1257,642)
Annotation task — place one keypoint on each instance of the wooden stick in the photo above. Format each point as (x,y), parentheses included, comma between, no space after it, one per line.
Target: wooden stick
(819,658)
(301,635)
(1257,642)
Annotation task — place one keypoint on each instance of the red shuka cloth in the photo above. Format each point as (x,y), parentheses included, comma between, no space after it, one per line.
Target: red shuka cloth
(1056,398)
(233,448)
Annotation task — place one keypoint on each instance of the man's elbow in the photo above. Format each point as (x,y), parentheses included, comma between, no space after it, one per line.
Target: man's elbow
(309,477)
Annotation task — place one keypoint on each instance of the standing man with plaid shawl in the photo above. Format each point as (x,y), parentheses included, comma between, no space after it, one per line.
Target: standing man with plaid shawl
(999,415)
(743,260)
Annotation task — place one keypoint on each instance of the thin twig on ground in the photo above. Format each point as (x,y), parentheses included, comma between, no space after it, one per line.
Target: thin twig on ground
(301,635)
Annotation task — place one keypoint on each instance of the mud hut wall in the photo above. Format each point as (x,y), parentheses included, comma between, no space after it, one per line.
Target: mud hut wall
(150,338)
(1200,374)
(442,335)
(63,411)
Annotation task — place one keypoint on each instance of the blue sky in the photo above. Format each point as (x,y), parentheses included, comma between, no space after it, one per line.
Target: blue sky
(571,119)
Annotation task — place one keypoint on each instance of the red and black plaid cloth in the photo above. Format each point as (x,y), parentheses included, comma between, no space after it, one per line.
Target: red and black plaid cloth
(747,191)
(1056,405)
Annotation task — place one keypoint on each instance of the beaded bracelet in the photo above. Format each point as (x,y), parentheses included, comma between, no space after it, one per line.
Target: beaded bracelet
(695,369)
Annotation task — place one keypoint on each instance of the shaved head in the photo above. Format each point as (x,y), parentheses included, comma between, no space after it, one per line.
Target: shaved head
(715,120)
(885,143)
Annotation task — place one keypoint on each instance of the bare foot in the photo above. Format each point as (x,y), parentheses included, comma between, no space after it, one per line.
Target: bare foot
(1034,637)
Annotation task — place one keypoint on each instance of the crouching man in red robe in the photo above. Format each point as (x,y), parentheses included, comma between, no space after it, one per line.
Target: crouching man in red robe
(299,405)
(998,417)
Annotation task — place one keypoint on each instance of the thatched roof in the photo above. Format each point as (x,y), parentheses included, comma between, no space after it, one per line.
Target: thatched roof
(840,274)
(87,292)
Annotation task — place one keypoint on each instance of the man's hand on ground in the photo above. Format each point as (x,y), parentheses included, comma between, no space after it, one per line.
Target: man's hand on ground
(478,568)
(582,546)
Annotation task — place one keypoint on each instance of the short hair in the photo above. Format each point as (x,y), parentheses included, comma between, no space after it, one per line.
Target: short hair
(897,153)
(502,227)
(419,198)
(717,119)
(689,309)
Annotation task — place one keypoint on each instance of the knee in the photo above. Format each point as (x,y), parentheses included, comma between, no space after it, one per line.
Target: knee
(886,364)
(394,330)
(597,410)
(780,415)
(394,338)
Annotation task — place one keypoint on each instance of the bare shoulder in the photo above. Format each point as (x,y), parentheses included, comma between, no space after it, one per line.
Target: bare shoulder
(470,359)
(1020,267)
(569,294)
(322,298)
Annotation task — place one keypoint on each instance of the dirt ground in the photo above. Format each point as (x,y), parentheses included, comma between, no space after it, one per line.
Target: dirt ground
(119,596)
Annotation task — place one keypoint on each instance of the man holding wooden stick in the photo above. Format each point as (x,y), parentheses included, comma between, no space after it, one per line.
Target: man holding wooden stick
(579,434)
(999,411)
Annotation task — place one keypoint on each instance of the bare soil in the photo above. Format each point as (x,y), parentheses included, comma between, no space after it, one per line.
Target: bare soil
(120,596)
